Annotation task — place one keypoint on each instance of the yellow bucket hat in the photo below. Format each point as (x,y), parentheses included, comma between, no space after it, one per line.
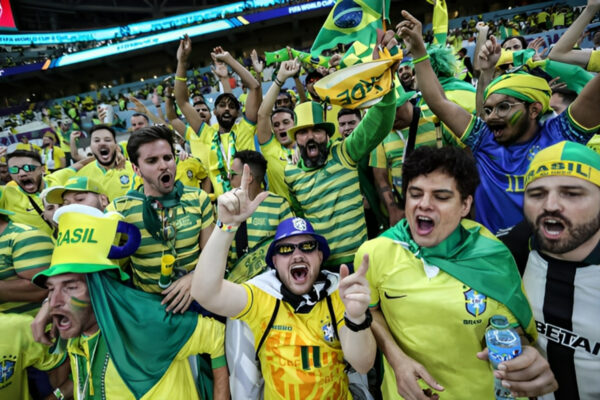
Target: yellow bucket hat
(85,242)
(310,114)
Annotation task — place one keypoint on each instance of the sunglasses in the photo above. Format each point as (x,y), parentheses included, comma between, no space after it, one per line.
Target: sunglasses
(285,249)
(27,168)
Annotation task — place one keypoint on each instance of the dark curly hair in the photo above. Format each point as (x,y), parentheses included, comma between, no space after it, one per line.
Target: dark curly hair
(451,160)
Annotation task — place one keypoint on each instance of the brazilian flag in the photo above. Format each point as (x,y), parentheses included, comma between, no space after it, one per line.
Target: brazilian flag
(440,21)
(350,21)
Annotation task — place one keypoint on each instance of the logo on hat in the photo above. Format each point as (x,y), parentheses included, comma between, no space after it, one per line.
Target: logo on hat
(299,224)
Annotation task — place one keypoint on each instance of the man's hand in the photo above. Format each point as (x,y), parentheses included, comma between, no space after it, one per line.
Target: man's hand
(489,54)
(82,163)
(155,99)
(355,292)
(257,63)
(538,44)
(527,375)
(335,59)
(39,323)
(482,28)
(288,69)
(411,32)
(385,40)
(101,114)
(185,49)
(139,106)
(178,295)
(120,159)
(234,206)
(408,372)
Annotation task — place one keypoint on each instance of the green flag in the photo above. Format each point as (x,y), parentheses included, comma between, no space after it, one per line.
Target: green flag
(350,21)
(475,257)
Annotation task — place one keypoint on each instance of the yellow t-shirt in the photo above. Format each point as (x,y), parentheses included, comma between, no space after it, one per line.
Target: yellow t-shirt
(18,351)
(176,383)
(51,158)
(277,158)
(204,146)
(114,182)
(301,359)
(594,63)
(190,172)
(436,319)
(13,198)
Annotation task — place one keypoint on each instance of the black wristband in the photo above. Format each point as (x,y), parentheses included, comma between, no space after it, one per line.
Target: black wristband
(359,327)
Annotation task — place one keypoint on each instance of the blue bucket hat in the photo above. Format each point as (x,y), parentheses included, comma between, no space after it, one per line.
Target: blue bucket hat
(295,227)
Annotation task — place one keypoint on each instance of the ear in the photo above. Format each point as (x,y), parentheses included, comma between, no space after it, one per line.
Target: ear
(103,201)
(466,206)
(136,169)
(535,110)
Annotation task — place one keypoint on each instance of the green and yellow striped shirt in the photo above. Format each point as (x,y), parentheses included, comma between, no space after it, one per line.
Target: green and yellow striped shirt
(389,153)
(329,196)
(193,214)
(22,248)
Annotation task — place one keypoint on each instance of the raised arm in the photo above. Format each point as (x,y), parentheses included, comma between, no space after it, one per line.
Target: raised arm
(451,114)
(209,288)
(585,110)
(263,127)
(254,89)
(142,109)
(488,57)
(482,32)
(563,49)
(181,91)
(359,347)
(172,117)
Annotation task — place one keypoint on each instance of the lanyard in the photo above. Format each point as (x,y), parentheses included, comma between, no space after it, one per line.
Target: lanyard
(81,392)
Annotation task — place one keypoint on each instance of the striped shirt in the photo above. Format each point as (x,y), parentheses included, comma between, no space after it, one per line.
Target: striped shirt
(22,248)
(193,214)
(329,196)
(263,223)
(390,153)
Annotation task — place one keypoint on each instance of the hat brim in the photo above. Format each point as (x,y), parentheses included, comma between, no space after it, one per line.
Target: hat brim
(328,127)
(75,268)
(54,194)
(323,246)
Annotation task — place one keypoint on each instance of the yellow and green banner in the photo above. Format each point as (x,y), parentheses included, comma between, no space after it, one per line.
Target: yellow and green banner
(440,21)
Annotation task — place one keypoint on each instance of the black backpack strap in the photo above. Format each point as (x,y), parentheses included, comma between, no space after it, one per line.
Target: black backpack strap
(332,315)
(412,132)
(241,240)
(267,329)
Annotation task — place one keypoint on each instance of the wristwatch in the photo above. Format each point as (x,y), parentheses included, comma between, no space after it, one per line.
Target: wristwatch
(359,327)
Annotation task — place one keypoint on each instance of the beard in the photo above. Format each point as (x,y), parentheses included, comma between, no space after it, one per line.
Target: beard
(577,234)
(226,124)
(317,161)
(107,163)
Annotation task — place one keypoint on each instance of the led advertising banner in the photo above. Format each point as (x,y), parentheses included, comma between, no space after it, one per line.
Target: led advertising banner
(7,21)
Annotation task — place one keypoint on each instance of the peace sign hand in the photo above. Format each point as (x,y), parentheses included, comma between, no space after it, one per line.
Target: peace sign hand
(235,206)
(354,291)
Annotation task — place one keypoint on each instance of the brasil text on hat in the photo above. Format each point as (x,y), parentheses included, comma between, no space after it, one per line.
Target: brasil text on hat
(310,114)
(565,159)
(75,184)
(294,227)
(85,242)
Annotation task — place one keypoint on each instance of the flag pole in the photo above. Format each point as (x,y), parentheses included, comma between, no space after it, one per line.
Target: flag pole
(383,14)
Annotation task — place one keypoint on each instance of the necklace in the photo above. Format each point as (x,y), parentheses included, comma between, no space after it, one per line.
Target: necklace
(82,391)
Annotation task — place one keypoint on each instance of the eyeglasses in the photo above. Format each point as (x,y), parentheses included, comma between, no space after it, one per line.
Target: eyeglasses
(502,109)
(285,249)
(26,168)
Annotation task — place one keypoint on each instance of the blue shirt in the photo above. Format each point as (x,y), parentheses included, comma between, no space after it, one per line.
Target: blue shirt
(499,197)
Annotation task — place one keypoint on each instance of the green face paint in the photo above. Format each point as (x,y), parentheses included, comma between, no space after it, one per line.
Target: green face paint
(516,117)
(78,303)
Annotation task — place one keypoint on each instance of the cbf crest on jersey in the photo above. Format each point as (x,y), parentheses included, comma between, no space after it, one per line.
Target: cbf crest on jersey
(124,179)
(328,332)
(7,370)
(475,302)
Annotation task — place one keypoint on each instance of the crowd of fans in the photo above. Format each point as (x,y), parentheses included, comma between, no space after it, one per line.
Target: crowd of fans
(275,244)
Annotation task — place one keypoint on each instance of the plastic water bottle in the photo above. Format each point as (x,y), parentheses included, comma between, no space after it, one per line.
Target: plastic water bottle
(503,344)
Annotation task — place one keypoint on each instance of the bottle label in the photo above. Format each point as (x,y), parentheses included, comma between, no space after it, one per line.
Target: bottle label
(503,345)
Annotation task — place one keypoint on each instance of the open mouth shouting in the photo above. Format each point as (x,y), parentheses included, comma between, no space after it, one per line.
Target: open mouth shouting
(299,274)
(104,155)
(28,185)
(312,149)
(497,128)
(551,227)
(425,225)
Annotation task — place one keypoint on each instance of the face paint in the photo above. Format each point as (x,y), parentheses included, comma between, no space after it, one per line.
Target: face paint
(78,303)
(515,117)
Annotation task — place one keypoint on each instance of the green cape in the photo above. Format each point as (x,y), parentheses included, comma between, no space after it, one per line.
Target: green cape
(475,257)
